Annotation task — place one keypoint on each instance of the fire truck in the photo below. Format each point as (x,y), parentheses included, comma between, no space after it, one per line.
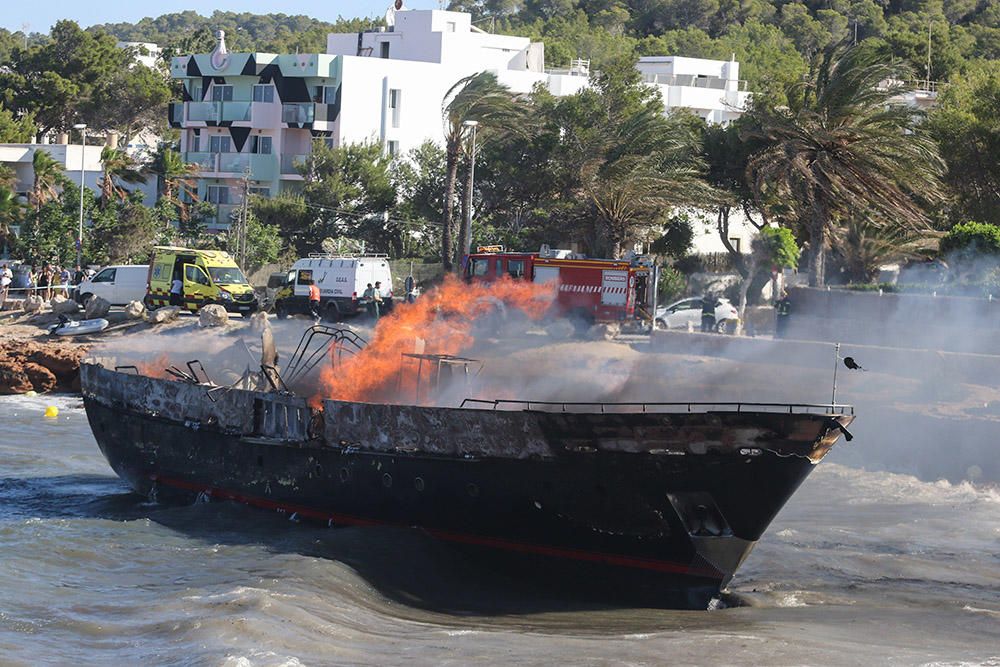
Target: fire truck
(589,290)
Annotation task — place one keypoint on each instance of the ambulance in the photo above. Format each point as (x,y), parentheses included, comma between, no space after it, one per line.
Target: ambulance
(209,276)
(342,280)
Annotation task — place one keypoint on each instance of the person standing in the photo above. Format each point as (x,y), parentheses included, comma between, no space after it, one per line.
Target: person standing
(377,299)
(708,313)
(64,282)
(368,298)
(782,309)
(177,291)
(6,278)
(44,276)
(314,300)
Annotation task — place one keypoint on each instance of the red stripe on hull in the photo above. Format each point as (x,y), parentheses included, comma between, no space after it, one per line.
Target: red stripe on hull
(461,538)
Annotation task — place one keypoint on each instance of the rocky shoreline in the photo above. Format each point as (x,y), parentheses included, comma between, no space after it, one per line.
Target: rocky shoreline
(27,365)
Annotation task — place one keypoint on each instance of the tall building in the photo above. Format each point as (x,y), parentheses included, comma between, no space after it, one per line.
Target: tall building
(250,119)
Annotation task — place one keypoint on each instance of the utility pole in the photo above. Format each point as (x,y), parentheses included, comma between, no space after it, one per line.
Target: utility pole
(241,237)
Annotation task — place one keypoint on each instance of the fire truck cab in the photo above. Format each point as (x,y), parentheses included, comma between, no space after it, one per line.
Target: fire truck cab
(592,290)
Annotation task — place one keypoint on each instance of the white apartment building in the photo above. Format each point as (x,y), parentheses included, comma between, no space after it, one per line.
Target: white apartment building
(710,88)
(258,114)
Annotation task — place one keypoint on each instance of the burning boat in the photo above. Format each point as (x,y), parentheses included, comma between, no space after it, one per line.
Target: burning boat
(663,499)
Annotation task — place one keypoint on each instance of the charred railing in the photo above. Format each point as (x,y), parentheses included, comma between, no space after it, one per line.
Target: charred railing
(317,343)
(606,407)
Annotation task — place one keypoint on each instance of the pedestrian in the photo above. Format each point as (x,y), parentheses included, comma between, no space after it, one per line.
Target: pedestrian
(368,298)
(30,281)
(6,278)
(177,291)
(377,297)
(314,300)
(708,313)
(782,309)
(44,279)
(64,278)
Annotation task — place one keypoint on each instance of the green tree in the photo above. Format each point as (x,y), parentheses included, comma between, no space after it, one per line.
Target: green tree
(862,247)
(293,219)
(479,98)
(11,213)
(14,130)
(966,125)
(351,192)
(845,146)
(124,230)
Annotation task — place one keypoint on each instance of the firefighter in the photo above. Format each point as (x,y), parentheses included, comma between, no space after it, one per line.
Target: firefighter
(708,304)
(314,300)
(782,309)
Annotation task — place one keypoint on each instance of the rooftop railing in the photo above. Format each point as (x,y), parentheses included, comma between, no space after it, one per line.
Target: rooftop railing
(693,81)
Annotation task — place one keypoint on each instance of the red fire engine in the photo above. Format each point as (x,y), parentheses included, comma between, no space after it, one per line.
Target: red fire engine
(593,290)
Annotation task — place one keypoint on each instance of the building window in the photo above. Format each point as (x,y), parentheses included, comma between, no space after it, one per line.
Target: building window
(449,26)
(222,93)
(394,99)
(392,148)
(195,89)
(263,93)
(384,53)
(260,144)
(329,94)
(217,194)
(220,144)
(195,143)
(329,142)
(735,243)
(260,192)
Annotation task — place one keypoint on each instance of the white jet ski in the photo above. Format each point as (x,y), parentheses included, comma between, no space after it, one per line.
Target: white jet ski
(67,327)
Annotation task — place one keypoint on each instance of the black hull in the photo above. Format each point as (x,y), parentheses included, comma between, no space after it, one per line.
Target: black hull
(670,528)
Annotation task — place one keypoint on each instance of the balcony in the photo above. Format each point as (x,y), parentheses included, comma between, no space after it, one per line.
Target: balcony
(234,165)
(215,112)
(298,113)
(290,164)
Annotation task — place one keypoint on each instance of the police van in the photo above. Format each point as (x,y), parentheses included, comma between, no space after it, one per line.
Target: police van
(342,280)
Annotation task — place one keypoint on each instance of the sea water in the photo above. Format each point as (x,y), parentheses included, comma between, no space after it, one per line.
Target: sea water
(861,567)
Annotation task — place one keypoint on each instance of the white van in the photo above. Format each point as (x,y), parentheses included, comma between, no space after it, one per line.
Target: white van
(342,280)
(118,284)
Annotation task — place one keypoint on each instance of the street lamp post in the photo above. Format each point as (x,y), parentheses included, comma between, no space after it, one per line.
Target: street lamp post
(467,223)
(83,158)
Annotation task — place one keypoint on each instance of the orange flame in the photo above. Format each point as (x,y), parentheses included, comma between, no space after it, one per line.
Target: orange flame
(156,367)
(443,318)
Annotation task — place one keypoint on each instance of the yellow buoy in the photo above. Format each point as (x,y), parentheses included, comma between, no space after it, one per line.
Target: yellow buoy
(51,412)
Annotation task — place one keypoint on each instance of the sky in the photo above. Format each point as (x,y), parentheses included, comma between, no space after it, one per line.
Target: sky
(41,16)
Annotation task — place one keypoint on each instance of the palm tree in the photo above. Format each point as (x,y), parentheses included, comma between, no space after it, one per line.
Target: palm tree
(8,177)
(119,167)
(635,171)
(176,179)
(863,246)
(848,145)
(11,210)
(479,98)
(48,179)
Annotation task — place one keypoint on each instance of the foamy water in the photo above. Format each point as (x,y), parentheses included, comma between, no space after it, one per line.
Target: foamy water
(861,567)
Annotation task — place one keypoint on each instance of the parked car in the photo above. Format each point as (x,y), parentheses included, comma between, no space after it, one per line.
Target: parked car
(678,314)
(117,284)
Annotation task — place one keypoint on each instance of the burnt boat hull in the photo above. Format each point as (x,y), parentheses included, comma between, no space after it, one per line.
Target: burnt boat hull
(673,526)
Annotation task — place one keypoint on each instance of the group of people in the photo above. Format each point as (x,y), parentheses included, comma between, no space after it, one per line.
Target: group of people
(48,281)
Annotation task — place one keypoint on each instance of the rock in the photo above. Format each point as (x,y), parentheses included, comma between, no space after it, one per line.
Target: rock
(258,322)
(604,331)
(135,310)
(97,307)
(63,306)
(33,304)
(41,378)
(213,315)
(13,379)
(63,361)
(165,314)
